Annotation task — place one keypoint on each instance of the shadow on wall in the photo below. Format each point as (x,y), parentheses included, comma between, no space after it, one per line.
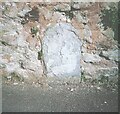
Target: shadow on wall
(110,18)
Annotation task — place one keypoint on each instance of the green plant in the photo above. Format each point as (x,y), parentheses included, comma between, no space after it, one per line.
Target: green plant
(40,53)
(34,31)
(83,78)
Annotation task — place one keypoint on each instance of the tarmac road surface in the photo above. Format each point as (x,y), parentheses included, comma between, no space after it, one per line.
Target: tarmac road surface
(59,98)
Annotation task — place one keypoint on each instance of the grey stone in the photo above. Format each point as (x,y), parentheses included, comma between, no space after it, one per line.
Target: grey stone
(108,5)
(109,33)
(91,58)
(48,15)
(80,17)
(24,11)
(63,6)
(111,54)
(16,54)
(79,5)
(111,73)
(87,34)
(62,50)
(59,17)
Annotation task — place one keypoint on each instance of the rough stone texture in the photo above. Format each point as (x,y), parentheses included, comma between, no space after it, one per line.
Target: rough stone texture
(87,34)
(91,58)
(16,54)
(81,17)
(111,55)
(112,73)
(19,50)
(109,33)
(81,5)
(63,6)
(62,48)
(99,70)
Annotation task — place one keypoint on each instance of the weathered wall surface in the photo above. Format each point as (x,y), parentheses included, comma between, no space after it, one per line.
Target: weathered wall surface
(91,50)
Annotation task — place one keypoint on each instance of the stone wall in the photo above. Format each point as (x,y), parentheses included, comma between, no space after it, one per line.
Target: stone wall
(60,39)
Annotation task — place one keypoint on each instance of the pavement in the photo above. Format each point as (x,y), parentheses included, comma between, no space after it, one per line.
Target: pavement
(58,98)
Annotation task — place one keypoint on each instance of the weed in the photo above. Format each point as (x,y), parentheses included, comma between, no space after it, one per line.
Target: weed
(83,78)
(34,31)
(40,54)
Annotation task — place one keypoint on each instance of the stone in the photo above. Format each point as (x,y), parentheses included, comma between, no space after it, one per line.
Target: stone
(91,58)
(63,6)
(81,5)
(48,15)
(109,33)
(16,54)
(62,50)
(59,17)
(87,34)
(22,13)
(110,73)
(81,17)
(111,54)
(108,5)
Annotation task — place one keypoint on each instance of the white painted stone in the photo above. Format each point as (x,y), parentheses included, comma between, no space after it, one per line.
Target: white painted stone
(62,50)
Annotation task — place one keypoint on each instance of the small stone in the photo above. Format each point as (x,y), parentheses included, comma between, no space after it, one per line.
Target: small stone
(98,88)
(92,86)
(68,88)
(72,90)
(105,102)
(15,83)
(9,77)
